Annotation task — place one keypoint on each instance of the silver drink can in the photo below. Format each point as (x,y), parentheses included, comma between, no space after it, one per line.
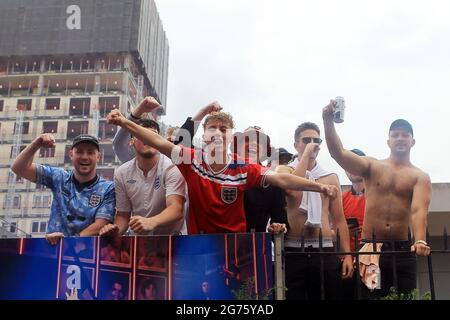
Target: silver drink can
(340,110)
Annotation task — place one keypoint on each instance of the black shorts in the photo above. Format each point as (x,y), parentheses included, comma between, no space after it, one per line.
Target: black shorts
(302,272)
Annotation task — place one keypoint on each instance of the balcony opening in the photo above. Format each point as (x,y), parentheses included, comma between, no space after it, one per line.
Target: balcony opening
(50,127)
(108,157)
(75,128)
(25,128)
(52,104)
(107,104)
(24,104)
(106,131)
(11,155)
(47,152)
(80,107)
(19,66)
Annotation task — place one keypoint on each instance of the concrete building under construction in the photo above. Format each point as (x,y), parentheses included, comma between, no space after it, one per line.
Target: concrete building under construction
(63,66)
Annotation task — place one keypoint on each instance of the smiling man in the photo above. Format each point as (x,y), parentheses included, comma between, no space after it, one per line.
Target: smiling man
(149,192)
(397,197)
(83,202)
(216,180)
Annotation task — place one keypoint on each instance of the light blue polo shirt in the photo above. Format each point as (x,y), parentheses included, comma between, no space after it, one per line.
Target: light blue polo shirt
(72,211)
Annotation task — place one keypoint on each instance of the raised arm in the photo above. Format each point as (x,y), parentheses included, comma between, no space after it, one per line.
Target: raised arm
(23,166)
(290,181)
(212,107)
(121,141)
(188,130)
(419,210)
(147,136)
(345,158)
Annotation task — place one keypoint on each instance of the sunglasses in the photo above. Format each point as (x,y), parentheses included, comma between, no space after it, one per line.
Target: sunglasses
(307,140)
(72,218)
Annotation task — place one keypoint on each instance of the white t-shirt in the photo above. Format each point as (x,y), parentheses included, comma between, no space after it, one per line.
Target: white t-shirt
(146,196)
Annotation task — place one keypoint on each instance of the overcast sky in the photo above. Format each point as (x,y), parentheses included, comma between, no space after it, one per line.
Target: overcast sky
(276,64)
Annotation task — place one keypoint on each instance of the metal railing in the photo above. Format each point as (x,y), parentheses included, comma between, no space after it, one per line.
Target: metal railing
(303,250)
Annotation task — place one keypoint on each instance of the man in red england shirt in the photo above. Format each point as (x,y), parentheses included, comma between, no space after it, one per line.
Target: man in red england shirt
(217,180)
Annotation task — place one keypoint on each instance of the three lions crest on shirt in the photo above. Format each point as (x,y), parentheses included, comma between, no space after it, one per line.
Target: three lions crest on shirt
(229,194)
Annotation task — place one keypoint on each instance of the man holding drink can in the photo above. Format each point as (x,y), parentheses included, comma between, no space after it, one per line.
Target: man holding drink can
(397,196)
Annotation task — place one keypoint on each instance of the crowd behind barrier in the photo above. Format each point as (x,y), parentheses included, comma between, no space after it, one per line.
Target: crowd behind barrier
(168,186)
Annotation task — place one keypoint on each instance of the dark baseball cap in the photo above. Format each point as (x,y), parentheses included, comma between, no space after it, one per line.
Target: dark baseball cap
(85,138)
(358,152)
(283,151)
(401,124)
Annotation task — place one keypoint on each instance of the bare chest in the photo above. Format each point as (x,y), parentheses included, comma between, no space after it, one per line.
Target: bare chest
(398,181)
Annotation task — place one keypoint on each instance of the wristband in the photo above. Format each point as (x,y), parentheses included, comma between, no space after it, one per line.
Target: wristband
(134,117)
(421,242)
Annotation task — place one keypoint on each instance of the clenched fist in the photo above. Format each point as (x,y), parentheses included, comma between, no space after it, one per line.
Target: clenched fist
(142,225)
(46,140)
(329,190)
(149,104)
(328,111)
(116,118)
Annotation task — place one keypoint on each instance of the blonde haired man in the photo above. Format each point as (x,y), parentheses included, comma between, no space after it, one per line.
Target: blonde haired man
(216,180)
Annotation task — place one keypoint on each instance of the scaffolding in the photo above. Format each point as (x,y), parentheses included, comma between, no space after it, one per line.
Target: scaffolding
(12,177)
(96,116)
(140,88)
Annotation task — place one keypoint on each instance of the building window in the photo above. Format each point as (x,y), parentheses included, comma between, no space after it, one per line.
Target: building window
(14,203)
(106,131)
(25,127)
(13,177)
(39,227)
(107,154)
(35,227)
(11,155)
(42,201)
(43,227)
(80,107)
(75,128)
(13,227)
(52,104)
(24,104)
(47,152)
(107,104)
(50,127)
(1,105)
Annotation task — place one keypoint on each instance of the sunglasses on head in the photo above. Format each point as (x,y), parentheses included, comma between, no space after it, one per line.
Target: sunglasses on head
(307,140)
(72,218)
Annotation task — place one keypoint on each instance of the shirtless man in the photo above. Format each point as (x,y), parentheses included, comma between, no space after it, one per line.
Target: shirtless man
(307,215)
(397,196)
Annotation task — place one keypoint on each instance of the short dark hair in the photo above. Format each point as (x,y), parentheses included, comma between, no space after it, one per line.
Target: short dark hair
(148,123)
(401,124)
(305,126)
